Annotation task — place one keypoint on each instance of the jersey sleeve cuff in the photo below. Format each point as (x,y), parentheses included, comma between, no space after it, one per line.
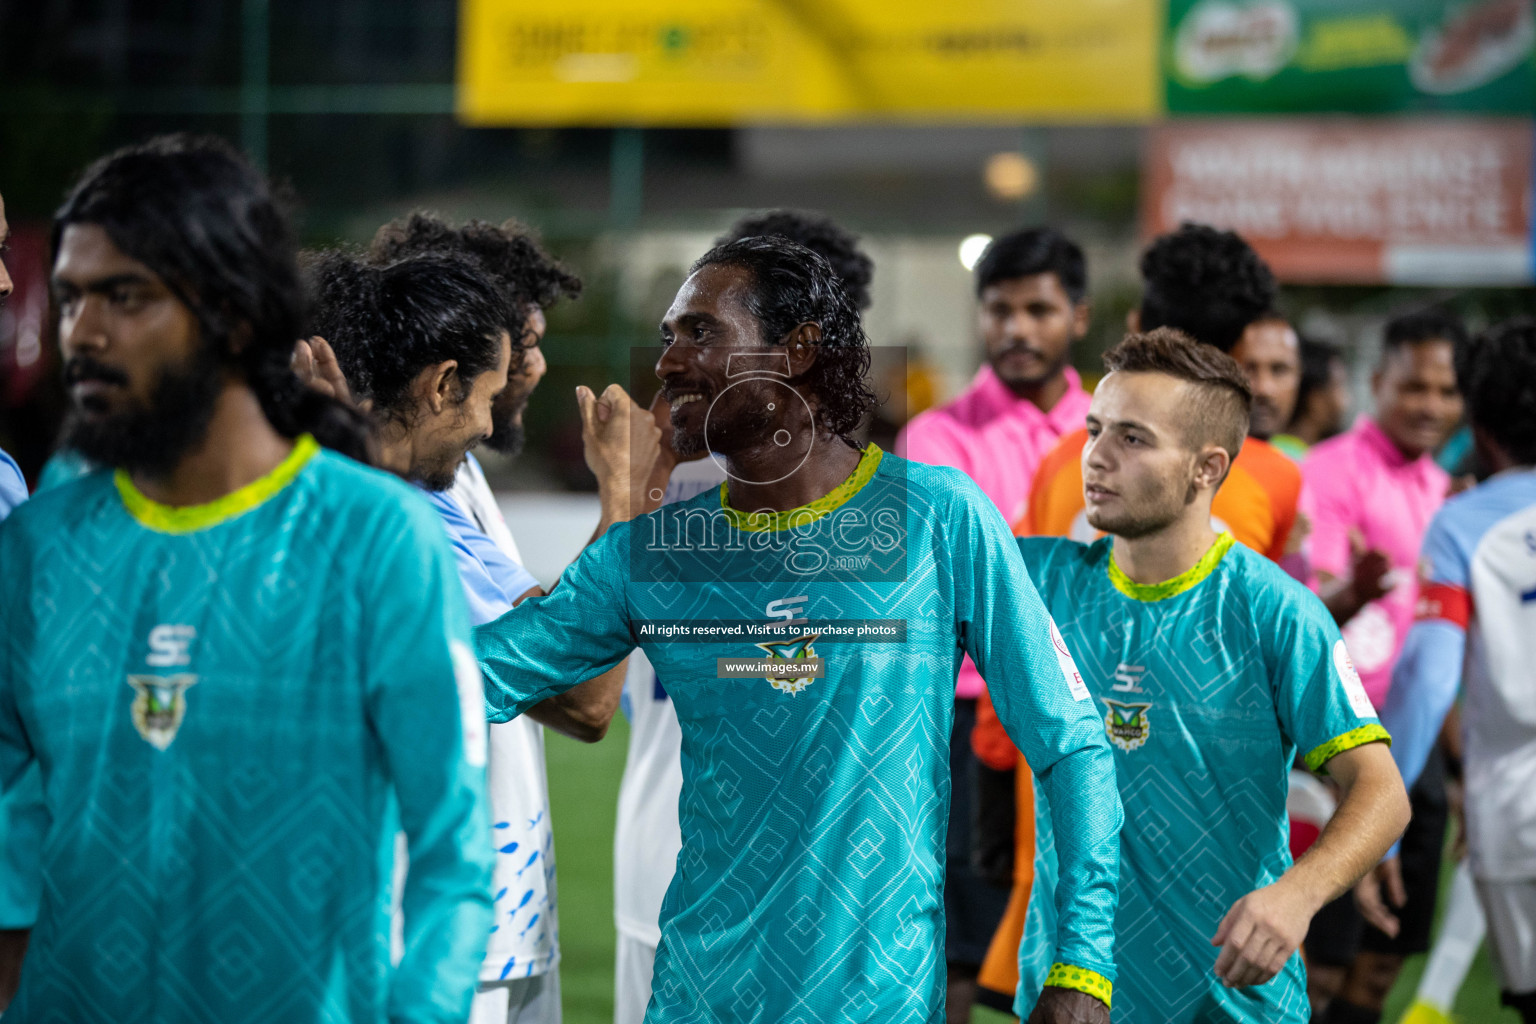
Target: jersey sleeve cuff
(1324,752)
(1080,979)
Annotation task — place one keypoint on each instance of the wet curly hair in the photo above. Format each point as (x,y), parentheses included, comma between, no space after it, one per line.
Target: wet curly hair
(1207,283)
(388,323)
(510,252)
(793,285)
(819,234)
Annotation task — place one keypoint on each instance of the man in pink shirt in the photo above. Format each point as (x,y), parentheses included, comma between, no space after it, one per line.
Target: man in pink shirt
(1374,489)
(1031,288)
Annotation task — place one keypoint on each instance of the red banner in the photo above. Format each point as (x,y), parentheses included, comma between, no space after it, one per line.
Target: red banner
(1354,202)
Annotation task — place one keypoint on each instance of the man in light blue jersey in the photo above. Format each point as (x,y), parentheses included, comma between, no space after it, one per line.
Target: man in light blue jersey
(396,327)
(1475,629)
(1212,668)
(807,619)
(240,661)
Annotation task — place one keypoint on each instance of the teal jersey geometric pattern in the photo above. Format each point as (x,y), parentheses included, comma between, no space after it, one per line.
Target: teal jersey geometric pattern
(232,707)
(1206,686)
(23,816)
(814,807)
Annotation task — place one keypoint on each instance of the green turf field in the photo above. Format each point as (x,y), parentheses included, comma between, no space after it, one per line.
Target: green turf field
(583,790)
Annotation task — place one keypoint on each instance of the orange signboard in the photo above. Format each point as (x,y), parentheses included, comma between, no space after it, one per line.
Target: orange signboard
(1351,201)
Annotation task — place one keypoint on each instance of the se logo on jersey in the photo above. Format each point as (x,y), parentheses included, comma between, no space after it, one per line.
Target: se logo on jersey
(790,611)
(1126,725)
(161,701)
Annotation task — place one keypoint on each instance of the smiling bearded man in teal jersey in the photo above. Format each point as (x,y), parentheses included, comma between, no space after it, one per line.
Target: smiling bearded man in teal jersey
(1213,668)
(810,647)
(239,661)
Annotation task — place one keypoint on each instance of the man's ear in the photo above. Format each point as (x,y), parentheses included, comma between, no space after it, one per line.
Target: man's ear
(1133,320)
(1211,469)
(1082,316)
(435,385)
(240,338)
(801,344)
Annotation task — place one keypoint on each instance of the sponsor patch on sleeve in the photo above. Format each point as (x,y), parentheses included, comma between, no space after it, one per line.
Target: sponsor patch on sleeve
(1068,666)
(1354,689)
(466,676)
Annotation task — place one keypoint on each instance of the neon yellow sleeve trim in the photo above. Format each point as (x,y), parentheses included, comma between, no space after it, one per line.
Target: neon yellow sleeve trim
(1081,979)
(767,522)
(191,518)
(1320,754)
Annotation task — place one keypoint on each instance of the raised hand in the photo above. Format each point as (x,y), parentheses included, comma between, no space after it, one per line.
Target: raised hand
(621,443)
(314,362)
(1368,573)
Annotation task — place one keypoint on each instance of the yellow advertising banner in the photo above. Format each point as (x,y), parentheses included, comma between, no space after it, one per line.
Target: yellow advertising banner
(728,62)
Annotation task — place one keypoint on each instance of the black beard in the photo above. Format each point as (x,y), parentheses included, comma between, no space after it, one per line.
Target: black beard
(1028,384)
(437,480)
(752,425)
(152,438)
(507,438)
(687,444)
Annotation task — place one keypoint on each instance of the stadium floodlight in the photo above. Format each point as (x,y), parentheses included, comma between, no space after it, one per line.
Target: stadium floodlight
(971,248)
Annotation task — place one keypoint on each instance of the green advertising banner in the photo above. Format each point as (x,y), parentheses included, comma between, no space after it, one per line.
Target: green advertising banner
(1357,56)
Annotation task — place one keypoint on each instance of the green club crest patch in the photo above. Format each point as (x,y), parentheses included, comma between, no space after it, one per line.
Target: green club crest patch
(789,652)
(1126,725)
(159,706)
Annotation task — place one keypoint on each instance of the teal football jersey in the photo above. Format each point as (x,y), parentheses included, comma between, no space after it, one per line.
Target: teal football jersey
(1207,686)
(23,816)
(811,656)
(230,707)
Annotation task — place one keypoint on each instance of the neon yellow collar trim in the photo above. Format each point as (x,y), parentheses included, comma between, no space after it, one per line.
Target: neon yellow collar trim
(191,518)
(1176,586)
(766,522)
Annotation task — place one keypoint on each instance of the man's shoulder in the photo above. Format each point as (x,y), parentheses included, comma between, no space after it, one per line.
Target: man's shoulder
(346,481)
(450,509)
(353,493)
(1268,463)
(1467,516)
(1266,592)
(938,486)
(1061,559)
(61,508)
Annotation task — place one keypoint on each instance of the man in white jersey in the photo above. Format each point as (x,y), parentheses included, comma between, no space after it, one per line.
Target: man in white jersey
(1476,627)
(519,978)
(647,837)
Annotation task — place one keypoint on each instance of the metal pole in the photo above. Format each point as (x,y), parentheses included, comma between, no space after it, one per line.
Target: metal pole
(626,193)
(254,68)
(626,177)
